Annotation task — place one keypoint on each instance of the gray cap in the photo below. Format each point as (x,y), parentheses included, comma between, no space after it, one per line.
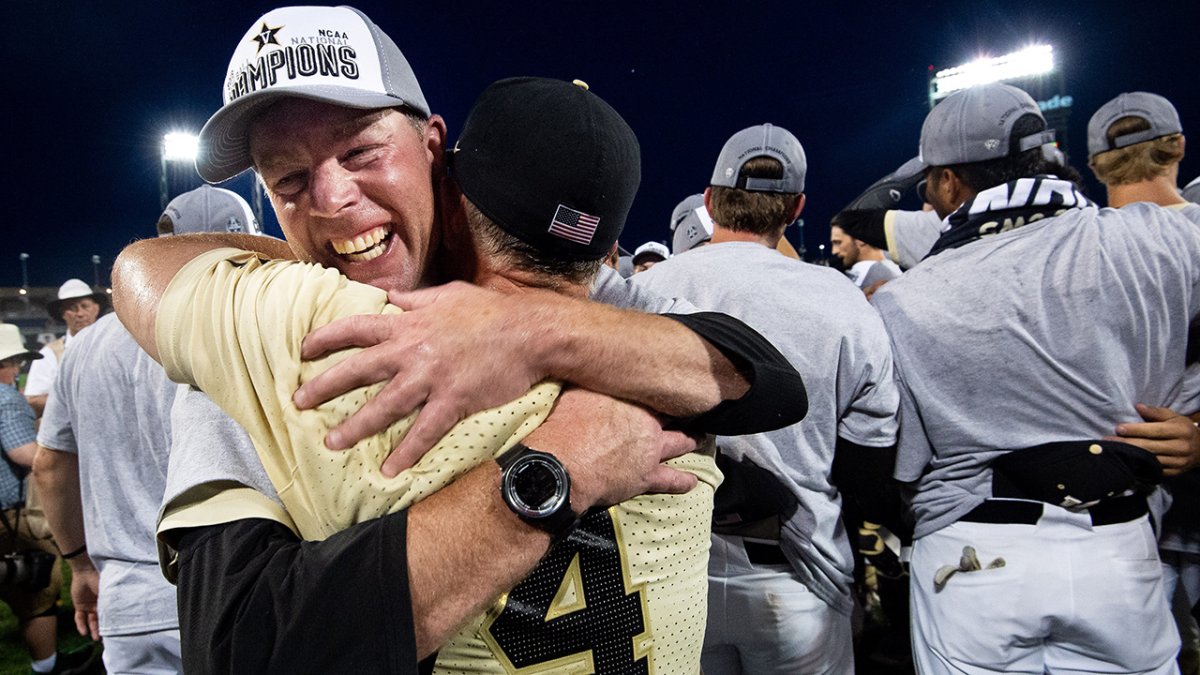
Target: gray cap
(1192,191)
(1155,109)
(691,224)
(208,209)
(758,141)
(976,124)
(330,54)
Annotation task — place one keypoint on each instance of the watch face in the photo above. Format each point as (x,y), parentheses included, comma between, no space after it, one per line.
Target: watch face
(536,486)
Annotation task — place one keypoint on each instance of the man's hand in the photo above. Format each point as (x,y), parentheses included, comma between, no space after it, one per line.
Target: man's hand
(1169,435)
(451,360)
(85,591)
(613,450)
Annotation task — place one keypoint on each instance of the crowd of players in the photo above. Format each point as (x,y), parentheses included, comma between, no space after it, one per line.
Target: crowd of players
(1008,413)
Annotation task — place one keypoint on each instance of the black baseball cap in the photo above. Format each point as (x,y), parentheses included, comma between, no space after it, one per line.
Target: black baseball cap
(550,163)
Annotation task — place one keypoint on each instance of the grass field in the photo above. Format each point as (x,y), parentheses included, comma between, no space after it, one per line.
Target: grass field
(14,660)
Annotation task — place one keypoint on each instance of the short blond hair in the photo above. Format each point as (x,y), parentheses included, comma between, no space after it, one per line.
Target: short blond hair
(1138,162)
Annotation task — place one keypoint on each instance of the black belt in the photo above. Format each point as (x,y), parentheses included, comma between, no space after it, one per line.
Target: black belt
(764,554)
(1108,512)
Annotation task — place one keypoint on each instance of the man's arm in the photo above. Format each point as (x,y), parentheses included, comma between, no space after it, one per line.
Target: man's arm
(57,476)
(38,403)
(516,340)
(464,548)
(23,454)
(142,272)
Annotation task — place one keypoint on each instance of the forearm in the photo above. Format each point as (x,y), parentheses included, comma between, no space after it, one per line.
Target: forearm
(142,272)
(57,477)
(38,403)
(464,548)
(678,373)
(451,583)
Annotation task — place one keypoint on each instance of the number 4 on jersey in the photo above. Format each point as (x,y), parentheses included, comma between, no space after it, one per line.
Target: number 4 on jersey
(575,613)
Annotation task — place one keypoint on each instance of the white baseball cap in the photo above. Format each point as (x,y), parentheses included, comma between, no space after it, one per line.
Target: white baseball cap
(331,54)
(651,248)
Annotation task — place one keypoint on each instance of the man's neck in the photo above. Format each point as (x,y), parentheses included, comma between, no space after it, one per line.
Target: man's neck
(722,235)
(516,281)
(870,253)
(1161,191)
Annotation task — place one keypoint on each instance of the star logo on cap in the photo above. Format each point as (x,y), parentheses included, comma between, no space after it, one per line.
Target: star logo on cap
(266,36)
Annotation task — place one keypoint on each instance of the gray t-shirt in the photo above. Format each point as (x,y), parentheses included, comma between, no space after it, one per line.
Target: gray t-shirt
(823,324)
(1049,332)
(111,404)
(213,450)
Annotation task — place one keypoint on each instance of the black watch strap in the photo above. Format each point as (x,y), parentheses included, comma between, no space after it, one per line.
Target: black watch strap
(559,521)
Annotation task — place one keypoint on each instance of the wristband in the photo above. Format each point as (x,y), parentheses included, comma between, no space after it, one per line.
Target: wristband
(76,553)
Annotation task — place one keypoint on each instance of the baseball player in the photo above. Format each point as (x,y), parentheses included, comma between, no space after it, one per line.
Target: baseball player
(1033,550)
(781,569)
(866,265)
(1135,144)
(648,255)
(102,467)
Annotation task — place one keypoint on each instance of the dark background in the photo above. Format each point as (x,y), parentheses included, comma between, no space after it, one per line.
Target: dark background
(91,88)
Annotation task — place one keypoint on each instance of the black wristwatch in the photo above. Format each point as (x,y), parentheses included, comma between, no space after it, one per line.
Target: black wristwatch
(537,487)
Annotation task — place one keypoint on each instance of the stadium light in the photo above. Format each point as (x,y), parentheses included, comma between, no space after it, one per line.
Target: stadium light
(1028,62)
(179,146)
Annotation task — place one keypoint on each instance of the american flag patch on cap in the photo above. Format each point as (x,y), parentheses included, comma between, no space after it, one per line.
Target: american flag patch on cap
(574,225)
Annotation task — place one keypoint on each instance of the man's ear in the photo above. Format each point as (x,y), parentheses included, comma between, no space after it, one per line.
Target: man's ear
(435,142)
(948,187)
(796,209)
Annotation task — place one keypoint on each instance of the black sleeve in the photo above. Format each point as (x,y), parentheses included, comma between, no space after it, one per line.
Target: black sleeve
(776,397)
(864,477)
(864,225)
(253,598)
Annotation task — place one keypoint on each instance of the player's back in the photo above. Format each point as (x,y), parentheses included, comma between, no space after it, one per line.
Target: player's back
(1048,332)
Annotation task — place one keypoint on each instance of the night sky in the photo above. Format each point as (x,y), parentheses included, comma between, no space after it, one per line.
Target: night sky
(92,87)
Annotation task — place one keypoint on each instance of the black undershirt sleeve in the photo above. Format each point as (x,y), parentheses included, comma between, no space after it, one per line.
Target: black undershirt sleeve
(864,477)
(776,397)
(253,598)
